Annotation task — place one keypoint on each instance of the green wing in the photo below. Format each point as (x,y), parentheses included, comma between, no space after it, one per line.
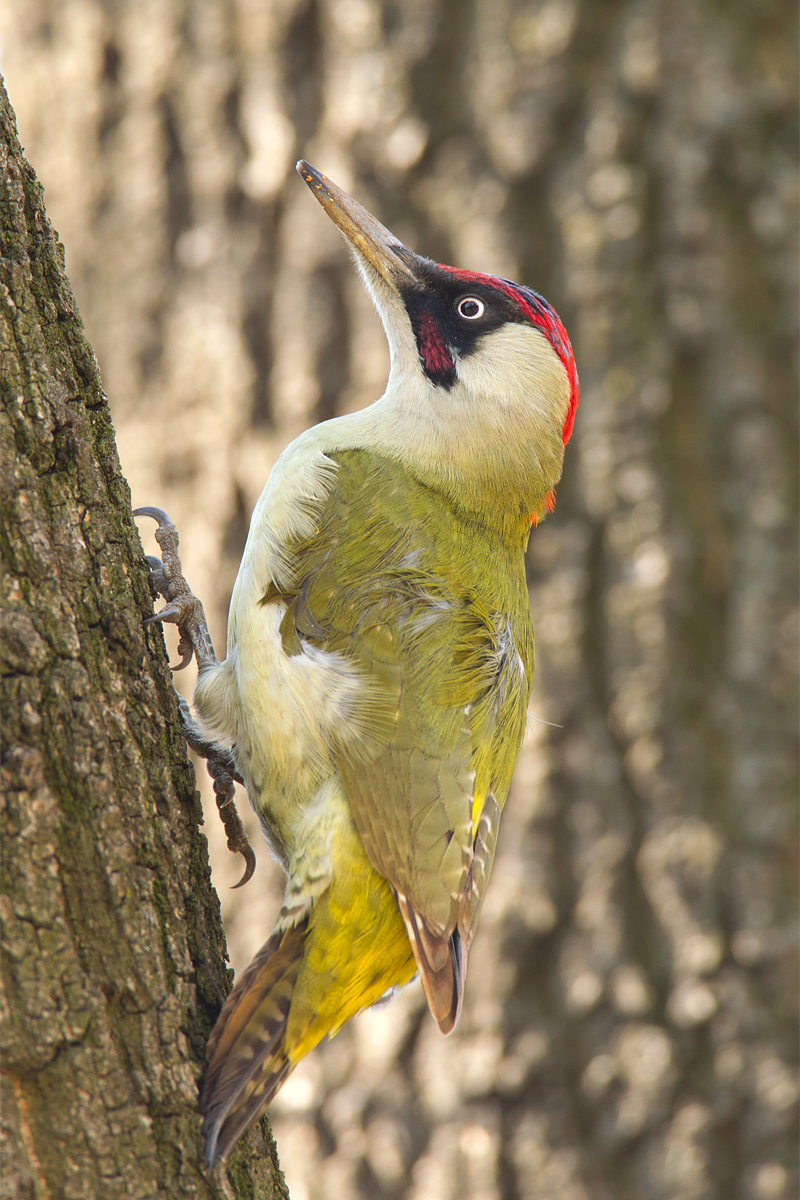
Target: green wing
(434,613)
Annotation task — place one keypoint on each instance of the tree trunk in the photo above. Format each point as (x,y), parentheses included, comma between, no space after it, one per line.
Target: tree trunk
(112,947)
(628,1025)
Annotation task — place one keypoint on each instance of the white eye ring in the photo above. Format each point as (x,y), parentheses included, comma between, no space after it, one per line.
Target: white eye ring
(472,302)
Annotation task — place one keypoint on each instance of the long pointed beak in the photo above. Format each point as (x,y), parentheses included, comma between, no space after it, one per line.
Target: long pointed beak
(377,245)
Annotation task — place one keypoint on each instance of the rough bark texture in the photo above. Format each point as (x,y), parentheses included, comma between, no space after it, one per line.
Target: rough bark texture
(628,1025)
(112,946)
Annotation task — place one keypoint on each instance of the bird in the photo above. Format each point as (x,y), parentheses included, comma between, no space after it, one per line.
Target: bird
(380,651)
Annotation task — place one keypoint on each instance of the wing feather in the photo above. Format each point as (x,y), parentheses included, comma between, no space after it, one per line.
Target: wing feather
(435,616)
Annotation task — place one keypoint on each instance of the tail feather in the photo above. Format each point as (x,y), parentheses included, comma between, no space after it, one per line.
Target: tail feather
(246,1051)
(442,963)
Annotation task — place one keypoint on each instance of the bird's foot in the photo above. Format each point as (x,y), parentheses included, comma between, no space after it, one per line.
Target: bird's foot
(222,769)
(183,609)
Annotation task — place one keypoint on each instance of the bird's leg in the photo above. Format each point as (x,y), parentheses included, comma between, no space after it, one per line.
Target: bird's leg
(183,609)
(221,768)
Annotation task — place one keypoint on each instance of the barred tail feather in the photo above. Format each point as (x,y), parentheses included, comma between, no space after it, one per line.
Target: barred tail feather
(247,1060)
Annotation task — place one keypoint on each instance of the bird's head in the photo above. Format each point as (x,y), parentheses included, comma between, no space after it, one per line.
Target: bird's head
(483,388)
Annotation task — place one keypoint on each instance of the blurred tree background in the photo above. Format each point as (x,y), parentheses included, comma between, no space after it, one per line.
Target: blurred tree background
(629,1027)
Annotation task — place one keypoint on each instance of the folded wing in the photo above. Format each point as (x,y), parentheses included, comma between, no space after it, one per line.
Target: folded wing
(444,645)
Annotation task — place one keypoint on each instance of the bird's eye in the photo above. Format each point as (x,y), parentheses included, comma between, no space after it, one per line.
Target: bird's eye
(471,308)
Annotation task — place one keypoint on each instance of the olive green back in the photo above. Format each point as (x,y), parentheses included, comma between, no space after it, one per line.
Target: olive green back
(432,608)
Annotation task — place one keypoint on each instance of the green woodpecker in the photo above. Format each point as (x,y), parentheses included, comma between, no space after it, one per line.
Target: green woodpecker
(379,659)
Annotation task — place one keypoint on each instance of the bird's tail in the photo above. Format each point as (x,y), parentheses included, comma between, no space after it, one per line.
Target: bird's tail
(247,1059)
(344,953)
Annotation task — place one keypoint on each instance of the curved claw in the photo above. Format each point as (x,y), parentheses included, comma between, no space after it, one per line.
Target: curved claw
(249,857)
(186,651)
(170,612)
(157,514)
(156,617)
(185,647)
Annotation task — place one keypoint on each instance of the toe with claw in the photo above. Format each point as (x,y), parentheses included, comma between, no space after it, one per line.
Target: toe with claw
(222,769)
(182,607)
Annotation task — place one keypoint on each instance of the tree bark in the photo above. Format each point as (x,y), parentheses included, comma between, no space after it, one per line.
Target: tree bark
(628,1025)
(112,947)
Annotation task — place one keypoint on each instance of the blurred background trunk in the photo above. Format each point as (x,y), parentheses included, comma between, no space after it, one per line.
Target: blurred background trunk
(628,1028)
